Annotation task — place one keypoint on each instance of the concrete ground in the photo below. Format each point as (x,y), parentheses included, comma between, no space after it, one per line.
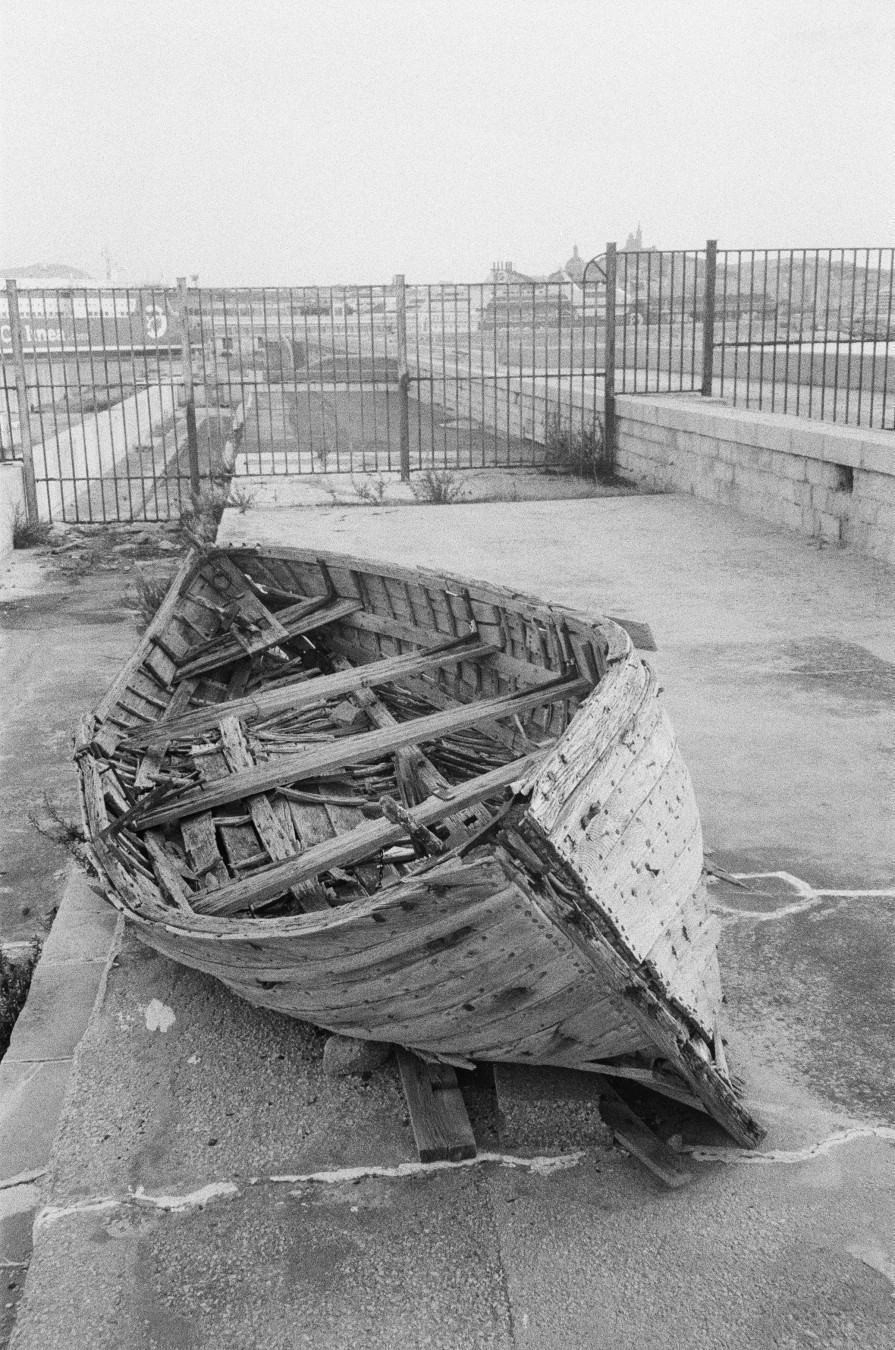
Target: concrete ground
(178,1210)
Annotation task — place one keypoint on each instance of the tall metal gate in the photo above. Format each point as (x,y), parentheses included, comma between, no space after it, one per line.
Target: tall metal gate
(304,380)
(373,379)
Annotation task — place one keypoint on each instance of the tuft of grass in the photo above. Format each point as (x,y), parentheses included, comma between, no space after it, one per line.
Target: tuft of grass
(580,451)
(15,981)
(371,490)
(151,591)
(29,534)
(240,499)
(437,486)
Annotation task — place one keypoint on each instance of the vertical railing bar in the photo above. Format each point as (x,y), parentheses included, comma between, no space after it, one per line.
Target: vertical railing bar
(813,335)
(67,395)
(885,390)
(776,331)
(838,335)
(128,468)
(786,344)
(850,341)
(826,338)
(721,385)
(52,382)
(105,367)
(187,371)
(90,355)
(403,373)
(875,340)
(863,339)
(644,312)
(609,375)
(708,318)
(153,467)
(661,262)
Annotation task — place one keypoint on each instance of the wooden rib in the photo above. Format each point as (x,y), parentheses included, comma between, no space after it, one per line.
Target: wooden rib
(304,692)
(354,749)
(314,614)
(441,1128)
(364,840)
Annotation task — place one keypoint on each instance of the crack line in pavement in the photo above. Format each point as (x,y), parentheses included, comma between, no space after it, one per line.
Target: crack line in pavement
(543,1166)
(798,1155)
(217,1190)
(22,1179)
(809,896)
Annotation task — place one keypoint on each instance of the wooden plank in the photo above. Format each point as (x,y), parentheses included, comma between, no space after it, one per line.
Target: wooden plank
(630,1131)
(264,818)
(152,762)
(166,874)
(441,1128)
(363,841)
(368,745)
(200,842)
(314,615)
(303,692)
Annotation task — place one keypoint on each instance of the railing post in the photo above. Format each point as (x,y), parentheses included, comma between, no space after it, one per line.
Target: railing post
(609,423)
(403,374)
(192,436)
(708,318)
(18,358)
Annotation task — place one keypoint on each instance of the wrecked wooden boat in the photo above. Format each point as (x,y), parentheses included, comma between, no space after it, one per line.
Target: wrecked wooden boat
(414,809)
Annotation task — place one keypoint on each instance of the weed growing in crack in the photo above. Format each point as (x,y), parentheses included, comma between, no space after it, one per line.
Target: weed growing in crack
(579,451)
(437,486)
(29,534)
(371,490)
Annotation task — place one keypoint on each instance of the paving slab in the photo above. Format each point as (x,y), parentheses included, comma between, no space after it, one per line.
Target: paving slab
(161,1198)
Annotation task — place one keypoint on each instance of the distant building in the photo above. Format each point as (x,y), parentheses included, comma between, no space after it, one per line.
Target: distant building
(634,242)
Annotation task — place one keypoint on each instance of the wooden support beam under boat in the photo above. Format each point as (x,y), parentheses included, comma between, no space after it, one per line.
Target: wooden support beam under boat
(304,692)
(441,1128)
(368,745)
(364,840)
(634,1136)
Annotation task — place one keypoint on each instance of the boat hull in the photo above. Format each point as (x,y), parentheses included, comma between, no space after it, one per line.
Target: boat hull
(579,937)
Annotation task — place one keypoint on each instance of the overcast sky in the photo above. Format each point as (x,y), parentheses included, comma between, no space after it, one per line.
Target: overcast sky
(277,141)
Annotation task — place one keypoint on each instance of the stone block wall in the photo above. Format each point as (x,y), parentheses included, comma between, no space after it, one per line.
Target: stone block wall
(828,482)
(832,483)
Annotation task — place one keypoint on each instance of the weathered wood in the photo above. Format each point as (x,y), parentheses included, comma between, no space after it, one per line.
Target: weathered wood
(352,750)
(152,761)
(302,693)
(599,956)
(441,1128)
(313,615)
(362,842)
(630,1131)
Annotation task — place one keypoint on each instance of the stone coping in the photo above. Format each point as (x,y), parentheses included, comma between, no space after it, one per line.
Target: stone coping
(857,447)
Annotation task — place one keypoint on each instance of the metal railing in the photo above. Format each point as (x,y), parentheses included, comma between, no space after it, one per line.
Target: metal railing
(123,402)
(807,331)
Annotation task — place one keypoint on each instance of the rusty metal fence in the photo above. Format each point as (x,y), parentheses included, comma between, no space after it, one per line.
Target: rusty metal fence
(124,403)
